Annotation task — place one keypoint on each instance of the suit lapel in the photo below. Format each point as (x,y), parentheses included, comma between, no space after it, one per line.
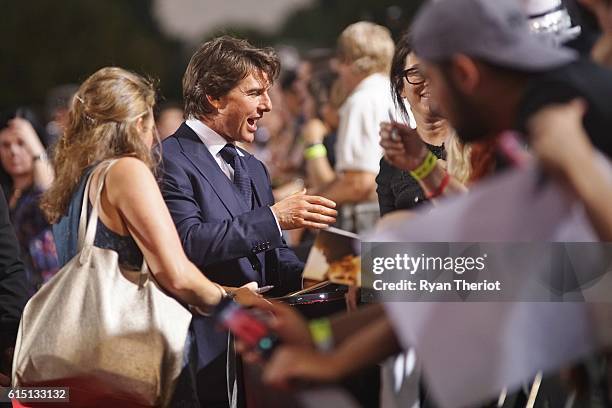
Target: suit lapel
(196,152)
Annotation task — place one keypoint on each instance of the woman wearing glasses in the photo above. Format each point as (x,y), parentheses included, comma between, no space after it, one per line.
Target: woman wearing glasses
(399,185)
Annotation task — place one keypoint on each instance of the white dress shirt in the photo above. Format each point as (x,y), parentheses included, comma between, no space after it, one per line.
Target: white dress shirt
(214,142)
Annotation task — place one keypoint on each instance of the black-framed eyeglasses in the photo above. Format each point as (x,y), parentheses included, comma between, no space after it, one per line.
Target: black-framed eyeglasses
(413,76)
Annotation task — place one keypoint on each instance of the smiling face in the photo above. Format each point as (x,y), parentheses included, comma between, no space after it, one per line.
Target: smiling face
(416,90)
(239,111)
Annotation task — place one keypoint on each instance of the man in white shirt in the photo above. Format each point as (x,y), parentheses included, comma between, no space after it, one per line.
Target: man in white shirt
(364,52)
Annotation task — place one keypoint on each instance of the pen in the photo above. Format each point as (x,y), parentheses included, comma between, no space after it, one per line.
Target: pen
(264,289)
(394,135)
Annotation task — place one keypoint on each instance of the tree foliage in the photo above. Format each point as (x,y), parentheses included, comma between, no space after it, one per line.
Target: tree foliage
(47,43)
(319,24)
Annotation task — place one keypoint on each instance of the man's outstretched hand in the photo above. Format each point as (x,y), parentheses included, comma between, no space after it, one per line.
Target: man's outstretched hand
(300,210)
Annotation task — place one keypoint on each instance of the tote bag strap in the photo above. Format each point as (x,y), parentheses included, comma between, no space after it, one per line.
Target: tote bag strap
(145,274)
(87,228)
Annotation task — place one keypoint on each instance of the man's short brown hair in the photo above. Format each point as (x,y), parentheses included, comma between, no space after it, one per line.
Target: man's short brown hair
(218,66)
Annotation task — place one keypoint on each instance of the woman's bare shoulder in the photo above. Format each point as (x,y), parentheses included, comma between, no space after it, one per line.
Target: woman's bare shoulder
(129,175)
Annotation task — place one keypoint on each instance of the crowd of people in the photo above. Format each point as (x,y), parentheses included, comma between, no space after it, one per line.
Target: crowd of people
(220,198)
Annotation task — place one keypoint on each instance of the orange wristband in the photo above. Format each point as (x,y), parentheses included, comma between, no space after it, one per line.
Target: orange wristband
(441,188)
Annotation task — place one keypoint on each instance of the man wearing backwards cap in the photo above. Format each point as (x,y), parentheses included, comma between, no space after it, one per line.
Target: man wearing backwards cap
(489,74)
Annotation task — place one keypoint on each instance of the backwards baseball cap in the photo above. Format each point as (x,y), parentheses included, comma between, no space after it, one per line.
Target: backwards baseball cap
(495,31)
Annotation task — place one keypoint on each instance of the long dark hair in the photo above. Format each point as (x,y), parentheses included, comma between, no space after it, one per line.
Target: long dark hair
(402,49)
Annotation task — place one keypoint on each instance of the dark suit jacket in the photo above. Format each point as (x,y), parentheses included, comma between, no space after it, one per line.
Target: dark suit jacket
(13,283)
(230,243)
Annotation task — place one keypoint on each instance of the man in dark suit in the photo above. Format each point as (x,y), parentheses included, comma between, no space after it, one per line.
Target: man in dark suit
(219,195)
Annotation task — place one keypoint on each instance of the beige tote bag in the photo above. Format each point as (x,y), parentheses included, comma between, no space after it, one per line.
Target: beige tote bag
(101,330)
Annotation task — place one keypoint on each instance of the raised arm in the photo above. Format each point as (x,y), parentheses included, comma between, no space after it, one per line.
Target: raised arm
(318,170)
(370,344)
(560,142)
(43,172)
(409,153)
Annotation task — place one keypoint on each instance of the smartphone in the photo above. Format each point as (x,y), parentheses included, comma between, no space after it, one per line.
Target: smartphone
(247,325)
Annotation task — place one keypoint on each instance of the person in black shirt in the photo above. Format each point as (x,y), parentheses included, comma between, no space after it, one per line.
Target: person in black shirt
(396,188)
(13,291)
(489,75)
(581,79)
(595,18)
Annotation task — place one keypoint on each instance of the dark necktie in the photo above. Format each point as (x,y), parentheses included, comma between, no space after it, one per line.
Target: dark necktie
(241,175)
